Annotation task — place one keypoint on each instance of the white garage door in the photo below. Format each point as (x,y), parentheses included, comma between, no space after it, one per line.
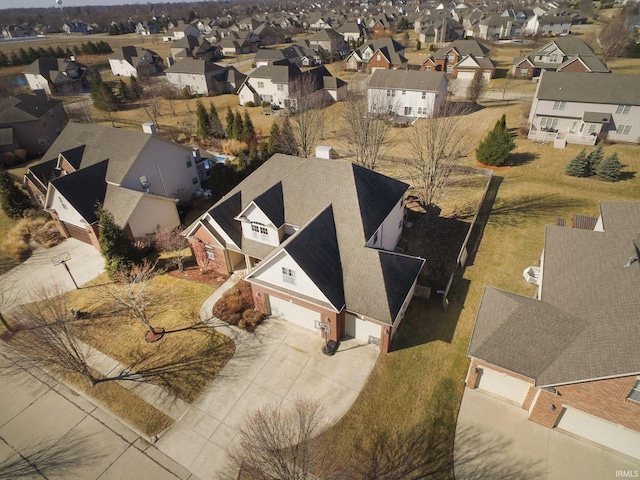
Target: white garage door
(465,75)
(601,431)
(503,385)
(293,313)
(362,330)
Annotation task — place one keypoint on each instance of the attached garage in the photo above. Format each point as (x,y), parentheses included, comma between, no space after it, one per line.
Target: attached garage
(503,385)
(611,435)
(465,75)
(362,330)
(293,313)
(76,232)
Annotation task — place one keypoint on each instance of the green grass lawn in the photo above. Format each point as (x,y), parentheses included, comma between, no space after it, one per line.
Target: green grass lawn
(413,394)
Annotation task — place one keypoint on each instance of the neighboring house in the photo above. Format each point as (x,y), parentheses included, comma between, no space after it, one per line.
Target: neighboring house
(202,77)
(138,177)
(30,122)
(14,31)
(57,76)
(461,59)
(355,32)
(75,27)
(195,47)
(441,31)
(238,43)
(381,54)
(317,237)
(147,28)
(576,108)
(329,40)
(135,61)
(182,29)
(570,358)
(280,84)
(408,93)
(297,54)
(568,54)
(496,27)
(553,25)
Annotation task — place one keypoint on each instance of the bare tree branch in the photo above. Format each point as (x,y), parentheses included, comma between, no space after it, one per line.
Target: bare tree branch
(437,145)
(306,111)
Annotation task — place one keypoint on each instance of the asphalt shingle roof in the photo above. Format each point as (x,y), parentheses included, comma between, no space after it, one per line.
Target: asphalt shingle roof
(585,326)
(24,108)
(407,79)
(604,88)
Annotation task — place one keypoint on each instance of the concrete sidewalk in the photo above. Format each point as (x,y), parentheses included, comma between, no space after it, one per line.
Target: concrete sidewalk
(48,431)
(494,439)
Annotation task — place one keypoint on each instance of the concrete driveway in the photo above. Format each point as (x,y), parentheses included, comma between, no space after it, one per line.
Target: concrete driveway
(85,263)
(274,365)
(495,440)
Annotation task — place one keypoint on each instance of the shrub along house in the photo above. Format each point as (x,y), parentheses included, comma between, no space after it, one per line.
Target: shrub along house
(570,358)
(317,237)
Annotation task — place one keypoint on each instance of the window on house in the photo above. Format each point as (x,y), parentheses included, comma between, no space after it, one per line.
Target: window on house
(194,180)
(260,84)
(189,163)
(557,105)
(623,109)
(388,93)
(548,122)
(635,392)
(280,87)
(288,275)
(400,224)
(64,205)
(375,238)
(259,231)
(427,69)
(423,111)
(451,58)
(44,124)
(553,58)
(623,129)
(408,111)
(208,249)
(378,57)
(424,95)
(449,69)
(524,72)
(404,92)
(42,141)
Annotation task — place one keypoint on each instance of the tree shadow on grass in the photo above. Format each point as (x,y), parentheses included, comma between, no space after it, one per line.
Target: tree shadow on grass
(521,158)
(627,176)
(515,211)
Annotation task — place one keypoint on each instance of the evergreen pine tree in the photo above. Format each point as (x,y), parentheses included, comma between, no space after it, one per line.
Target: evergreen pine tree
(287,143)
(496,146)
(102,95)
(248,132)
(610,168)
(253,160)
(13,199)
(274,137)
(118,251)
(594,158)
(216,125)
(203,125)
(237,126)
(230,119)
(578,166)
(264,152)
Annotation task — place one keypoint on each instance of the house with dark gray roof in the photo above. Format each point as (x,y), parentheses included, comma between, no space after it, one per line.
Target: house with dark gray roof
(135,61)
(138,177)
(461,59)
(563,54)
(30,122)
(577,107)
(570,356)
(57,76)
(202,77)
(409,93)
(382,53)
(317,239)
(195,47)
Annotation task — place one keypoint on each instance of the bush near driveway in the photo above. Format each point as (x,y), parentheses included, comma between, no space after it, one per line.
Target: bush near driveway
(236,307)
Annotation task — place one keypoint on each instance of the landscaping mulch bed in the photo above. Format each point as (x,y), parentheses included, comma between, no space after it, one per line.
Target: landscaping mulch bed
(195,274)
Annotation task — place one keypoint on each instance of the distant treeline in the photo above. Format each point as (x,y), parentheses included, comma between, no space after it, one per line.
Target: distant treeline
(28,56)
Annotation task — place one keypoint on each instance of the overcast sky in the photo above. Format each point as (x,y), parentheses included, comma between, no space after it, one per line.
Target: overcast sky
(71,3)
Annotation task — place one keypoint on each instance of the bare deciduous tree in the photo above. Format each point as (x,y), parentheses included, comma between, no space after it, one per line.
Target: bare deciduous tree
(45,337)
(365,126)
(437,145)
(614,36)
(305,111)
(137,295)
(277,444)
(169,240)
(7,296)
(477,87)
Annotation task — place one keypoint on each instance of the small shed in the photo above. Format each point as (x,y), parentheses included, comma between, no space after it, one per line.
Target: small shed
(326,152)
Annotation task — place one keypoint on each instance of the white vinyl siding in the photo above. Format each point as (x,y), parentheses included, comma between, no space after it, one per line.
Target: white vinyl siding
(623,129)
(623,109)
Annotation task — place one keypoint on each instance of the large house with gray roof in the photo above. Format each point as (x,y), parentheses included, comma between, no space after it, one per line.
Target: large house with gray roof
(408,93)
(57,76)
(564,54)
(132,61)
(30,122)
(571,356)
(317,238)
(577,108)
(461,59)
(202,77)
(138,177)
